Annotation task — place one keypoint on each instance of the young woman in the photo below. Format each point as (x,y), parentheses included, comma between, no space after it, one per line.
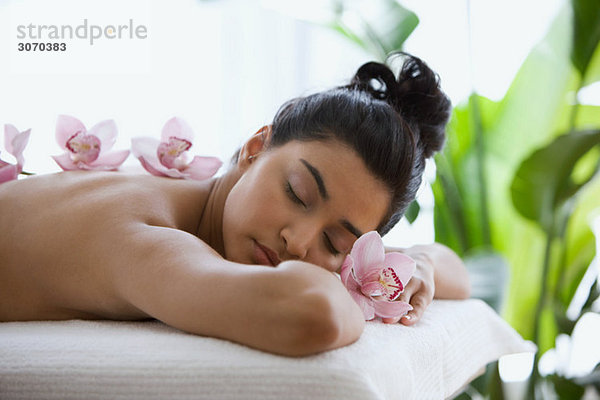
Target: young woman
(249,256)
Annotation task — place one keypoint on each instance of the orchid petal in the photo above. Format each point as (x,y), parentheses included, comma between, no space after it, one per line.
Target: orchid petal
(372,289)
(346,269)
(175,173)
(391,309)
(365,304)
(110,161)
(66,127)
(106,131)
(203,167)
(8,172)
(145,147)
(84,148)
(15,142)
(403,265)
(368,253)
(19,144)
(150,168)
(10,132)
(65,162)
(177,127)
(173,153)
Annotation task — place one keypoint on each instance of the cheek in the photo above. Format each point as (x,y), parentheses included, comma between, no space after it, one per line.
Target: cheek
(252,210)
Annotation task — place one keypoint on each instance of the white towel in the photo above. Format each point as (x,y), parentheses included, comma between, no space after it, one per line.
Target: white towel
(149,360)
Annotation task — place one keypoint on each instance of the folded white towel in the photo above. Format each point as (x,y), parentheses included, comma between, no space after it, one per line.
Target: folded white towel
(149,360)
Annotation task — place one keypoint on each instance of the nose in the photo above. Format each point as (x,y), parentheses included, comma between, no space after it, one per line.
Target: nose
(299,239)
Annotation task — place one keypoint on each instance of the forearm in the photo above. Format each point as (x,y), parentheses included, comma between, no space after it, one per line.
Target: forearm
(294,309)
(450,275)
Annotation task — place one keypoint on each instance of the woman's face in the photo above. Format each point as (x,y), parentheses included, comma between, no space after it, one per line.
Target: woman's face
(306,201)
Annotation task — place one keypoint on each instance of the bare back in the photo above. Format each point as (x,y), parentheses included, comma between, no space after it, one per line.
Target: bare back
(57,228)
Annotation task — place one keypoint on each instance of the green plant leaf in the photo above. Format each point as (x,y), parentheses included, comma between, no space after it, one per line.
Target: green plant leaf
(586,33)
(580,242)
(526,120)
(588,117)
(378,27)
(548,331)
(593,69)
(542,182)
(457,191)
(566,388)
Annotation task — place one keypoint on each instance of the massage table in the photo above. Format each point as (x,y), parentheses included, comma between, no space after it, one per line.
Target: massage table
(77,359)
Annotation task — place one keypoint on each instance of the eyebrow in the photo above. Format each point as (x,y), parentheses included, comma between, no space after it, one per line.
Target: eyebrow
(351,228)
(318,178)
(324,195)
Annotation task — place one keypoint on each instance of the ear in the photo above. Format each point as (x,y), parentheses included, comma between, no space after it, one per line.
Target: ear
(257,143)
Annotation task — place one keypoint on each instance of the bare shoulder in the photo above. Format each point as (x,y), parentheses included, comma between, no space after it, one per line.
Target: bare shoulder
(64,234)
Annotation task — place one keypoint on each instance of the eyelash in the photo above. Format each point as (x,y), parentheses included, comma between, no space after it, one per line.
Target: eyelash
(294,197)
(329,245)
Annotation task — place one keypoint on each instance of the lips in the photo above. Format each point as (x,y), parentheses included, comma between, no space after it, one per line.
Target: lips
(265,255)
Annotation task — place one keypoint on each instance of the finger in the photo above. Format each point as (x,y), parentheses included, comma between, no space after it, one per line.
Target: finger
(419,303)
(410,288)
(390,320)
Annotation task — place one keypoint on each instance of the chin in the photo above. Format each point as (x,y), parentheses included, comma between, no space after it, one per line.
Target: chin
(237,254)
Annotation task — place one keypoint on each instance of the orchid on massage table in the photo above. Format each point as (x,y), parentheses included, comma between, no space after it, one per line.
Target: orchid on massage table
(87,150)
(169,156)
(375,279)
(14,143)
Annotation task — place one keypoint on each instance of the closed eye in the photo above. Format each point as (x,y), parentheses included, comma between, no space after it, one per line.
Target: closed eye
(293,196)
(330,245)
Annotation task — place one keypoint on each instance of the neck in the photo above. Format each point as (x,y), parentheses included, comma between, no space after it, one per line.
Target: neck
(210,227)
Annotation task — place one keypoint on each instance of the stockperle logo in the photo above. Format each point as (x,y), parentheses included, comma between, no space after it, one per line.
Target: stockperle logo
(92,33)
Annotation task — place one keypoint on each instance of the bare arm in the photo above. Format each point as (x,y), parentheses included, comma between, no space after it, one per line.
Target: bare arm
(440,273)
(294,309)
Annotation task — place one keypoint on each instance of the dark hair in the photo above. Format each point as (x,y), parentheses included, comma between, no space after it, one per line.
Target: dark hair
(393,124)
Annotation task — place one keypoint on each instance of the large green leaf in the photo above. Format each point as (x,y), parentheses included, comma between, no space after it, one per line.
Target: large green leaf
(593,69)
(543,181)
(527,119)
(588,117)
(457,189)
(580,242)
(586,36)
(378,26)
(566,388)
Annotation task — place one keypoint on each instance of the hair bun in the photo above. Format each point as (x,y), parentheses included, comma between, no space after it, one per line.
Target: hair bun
(415,95)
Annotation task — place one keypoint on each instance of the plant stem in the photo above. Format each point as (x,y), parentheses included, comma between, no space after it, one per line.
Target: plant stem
(481,175)
(535,375)
(455,205)
(575,109)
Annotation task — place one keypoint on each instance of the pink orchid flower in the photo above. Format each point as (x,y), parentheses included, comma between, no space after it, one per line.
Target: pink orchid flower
(14,143)
(87,150)
(376,279)
(169,157)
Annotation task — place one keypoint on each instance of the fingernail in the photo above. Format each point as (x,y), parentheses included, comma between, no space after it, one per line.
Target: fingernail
(406,316)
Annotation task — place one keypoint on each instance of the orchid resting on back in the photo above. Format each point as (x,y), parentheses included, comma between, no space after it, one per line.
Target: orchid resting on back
(14,143)
(375,279)
(91,150)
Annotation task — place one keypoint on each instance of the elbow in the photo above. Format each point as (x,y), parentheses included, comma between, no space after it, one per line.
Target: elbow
(464,292)
(325,326)
(464,289)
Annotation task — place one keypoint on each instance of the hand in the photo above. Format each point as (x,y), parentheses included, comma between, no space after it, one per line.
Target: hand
(418,292)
